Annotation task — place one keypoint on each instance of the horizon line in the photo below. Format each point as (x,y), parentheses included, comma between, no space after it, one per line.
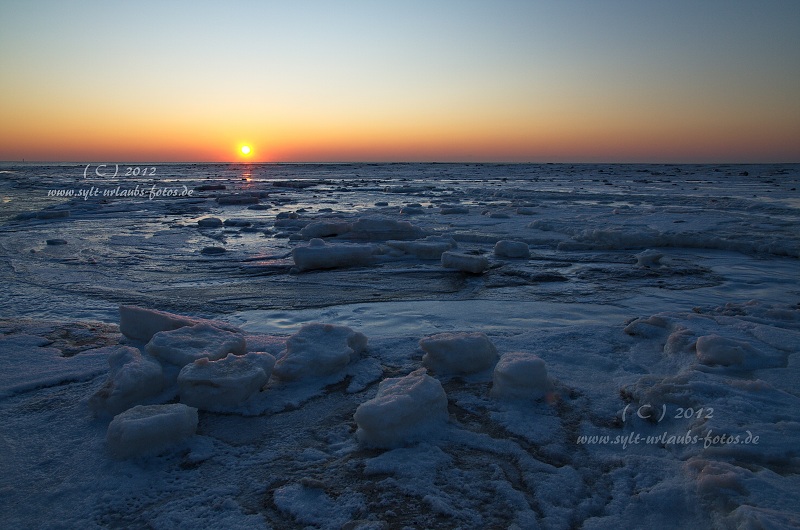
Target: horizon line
(374,162)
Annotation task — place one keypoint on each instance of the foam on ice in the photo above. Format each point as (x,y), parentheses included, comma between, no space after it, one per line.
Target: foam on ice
(319,350)
(405,409)
(458,353)
(189,343)
(132,378)
(150,429)
(228,382)
(321,255)
(464,262)
(520,375)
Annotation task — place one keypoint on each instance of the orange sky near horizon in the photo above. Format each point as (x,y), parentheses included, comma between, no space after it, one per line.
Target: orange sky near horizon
(516,82)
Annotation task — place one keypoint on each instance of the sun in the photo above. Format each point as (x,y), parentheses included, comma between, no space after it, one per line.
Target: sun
(246,150)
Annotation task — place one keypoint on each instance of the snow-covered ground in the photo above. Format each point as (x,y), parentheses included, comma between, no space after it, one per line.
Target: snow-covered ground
(654,321)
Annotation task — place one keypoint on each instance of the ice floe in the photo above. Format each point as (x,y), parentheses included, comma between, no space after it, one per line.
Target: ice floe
(190,343)
(150,429)
(464,262)
(133,378)
(404,409)
(520,375)
(225,383)
(319,350)
(458,353)
(511,249)
(321,255)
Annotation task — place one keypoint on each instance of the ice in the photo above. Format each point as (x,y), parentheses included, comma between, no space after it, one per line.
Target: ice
(384,228)
(464,262)
(431,247)
(319,350)
(520,375)
(209,222)
(141,324)
(321,255)
(150,429)
(225,383)
(715,350)
(190,343)
(132,379)
(649,258)
(511,249)
(307,503)
(405,409)
(320,229)
(458,353)
(727,270)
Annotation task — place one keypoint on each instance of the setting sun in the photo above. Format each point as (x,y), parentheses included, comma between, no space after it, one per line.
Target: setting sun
(245,150)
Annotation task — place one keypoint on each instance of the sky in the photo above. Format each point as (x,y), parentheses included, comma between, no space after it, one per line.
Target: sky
(434,80)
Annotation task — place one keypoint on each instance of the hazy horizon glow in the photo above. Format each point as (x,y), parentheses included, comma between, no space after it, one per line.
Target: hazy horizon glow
(507,81)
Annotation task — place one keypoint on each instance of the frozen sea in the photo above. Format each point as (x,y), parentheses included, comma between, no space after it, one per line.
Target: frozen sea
(664,300)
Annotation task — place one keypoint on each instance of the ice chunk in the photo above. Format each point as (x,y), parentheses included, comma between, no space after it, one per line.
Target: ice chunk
(320,255)
(511,249)
(431,247)
(649,258)
(187,344)
(132,378)
(382,229)
(454,210)
(141,324)
(150,429)
(209,222)
(458,353)
(464,262)
(325,229)
(318,350)
(713,350)
(648,328)
(405,409)
(228,382)
(520,375)
(681,340)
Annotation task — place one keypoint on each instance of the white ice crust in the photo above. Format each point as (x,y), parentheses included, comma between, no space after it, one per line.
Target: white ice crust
(228,382)
(405,409)
(150,429)
(319,350)
(520,375)
(464,262)
(187,344)
(458,353)
(132,378)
